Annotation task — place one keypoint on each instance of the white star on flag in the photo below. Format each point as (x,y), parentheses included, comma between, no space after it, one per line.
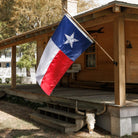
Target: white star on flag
(70,40)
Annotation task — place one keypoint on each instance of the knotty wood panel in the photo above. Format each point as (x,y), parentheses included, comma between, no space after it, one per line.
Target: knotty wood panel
(131,34)
(104,67)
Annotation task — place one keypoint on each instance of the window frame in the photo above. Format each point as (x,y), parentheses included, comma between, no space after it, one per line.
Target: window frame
(91,53)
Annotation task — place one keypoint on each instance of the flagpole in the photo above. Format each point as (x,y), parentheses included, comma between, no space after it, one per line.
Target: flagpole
(91,37)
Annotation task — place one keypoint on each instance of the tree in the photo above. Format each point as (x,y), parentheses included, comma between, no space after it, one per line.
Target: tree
(31,15)
(28,56)
(7,22)
(84,5)
(37,13)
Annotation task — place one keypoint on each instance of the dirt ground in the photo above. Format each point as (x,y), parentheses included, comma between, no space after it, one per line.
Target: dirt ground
(15,123)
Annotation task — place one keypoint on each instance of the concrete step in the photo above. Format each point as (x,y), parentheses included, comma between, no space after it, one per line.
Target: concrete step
(61,112)
(54,123)
(59,116)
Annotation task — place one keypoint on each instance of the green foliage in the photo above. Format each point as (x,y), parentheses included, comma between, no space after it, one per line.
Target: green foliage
(37,13)
(7,22)
(28,56)
(7,80)
(17,16)
(18,79)
(0,81)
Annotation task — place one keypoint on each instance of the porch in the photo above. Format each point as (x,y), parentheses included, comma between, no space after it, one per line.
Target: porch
(115,119)
(117,111)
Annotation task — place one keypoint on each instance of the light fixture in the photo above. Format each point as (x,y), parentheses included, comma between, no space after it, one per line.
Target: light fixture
(128,44)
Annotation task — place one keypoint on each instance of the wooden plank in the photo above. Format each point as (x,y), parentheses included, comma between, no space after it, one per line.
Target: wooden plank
(102,13)
(98,21)
(131,10)
(119,56)
(2,93)
(53,120)
(131,35)
(131,17)
(13,78)
(96,10)
(54,123)
(104,70)
(61,100)
(60,112)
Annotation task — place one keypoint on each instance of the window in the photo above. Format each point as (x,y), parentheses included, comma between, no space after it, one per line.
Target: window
(90,57)
(7,65)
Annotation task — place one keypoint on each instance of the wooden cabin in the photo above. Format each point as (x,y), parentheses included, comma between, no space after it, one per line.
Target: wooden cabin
(115,27)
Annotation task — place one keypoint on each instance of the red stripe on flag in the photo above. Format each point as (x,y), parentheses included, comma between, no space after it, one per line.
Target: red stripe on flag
(56,70)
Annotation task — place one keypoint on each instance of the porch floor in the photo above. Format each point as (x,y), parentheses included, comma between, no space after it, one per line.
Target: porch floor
(34,92)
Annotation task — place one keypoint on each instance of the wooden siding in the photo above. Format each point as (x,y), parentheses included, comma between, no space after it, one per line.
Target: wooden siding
(131,34)
(104,66)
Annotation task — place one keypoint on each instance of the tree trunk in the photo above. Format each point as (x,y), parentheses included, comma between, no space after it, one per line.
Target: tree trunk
(28,72)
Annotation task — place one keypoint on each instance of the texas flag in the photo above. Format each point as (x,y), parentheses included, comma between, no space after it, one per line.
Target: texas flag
(64,47)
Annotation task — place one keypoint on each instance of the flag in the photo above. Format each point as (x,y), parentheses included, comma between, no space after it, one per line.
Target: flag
(64,47)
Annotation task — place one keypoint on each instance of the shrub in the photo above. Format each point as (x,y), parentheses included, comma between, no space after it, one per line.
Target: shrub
(7,80)
(0,81)
(18,79)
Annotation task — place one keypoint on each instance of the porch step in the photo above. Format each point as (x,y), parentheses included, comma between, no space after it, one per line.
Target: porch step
(54,123)
(60,112)
(60,117)
(2,94)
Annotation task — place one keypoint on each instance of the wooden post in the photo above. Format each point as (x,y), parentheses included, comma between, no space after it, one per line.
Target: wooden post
(119,56)
(39,51)
(13,80)
(41,43)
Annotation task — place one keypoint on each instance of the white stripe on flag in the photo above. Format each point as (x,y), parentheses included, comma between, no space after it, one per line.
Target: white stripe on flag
(48,55)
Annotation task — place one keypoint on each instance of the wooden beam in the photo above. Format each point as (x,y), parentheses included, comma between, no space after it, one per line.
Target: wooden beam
(131,17)
(119,56)
(131,10)
(98,21)
(27,36)
(13,77)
